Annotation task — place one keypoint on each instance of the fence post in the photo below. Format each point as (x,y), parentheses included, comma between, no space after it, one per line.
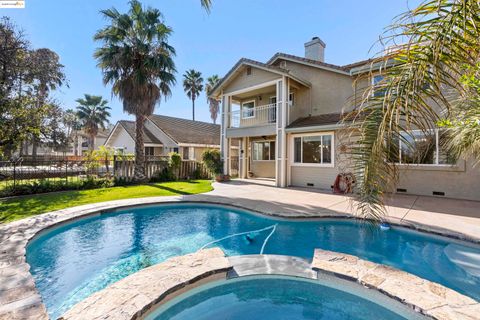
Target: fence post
(14,174)
(66,171)
(114,164)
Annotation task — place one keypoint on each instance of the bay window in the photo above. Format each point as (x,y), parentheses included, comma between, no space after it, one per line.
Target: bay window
(263,150)
(313,149)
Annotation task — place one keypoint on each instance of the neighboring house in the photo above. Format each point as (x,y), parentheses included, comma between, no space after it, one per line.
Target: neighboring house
(81,145)
(286,113)
(167,134)
(78,145)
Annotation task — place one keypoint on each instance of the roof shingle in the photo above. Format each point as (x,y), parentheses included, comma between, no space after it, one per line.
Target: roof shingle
(319,120)
(188,131)
(149,137)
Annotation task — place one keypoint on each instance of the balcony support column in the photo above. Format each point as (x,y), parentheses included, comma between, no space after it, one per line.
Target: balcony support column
(224,141)
(281,143)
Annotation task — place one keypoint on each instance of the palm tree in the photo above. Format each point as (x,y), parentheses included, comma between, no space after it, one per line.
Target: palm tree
(206,4)
(192,85)
(213,103)
(420,79)
(93,114)
(136,58)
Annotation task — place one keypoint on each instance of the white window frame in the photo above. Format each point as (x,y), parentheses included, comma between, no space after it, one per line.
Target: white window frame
(269,150)
(437,154)
(291,99)
(373,82)
(314,134)
(242,111)
(191,153)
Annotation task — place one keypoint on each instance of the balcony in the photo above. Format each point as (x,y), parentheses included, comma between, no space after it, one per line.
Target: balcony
(254,117)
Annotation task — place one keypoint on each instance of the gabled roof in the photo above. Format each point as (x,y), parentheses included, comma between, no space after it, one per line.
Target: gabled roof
(318,120)
(256,64)
(149,137)
(184,131)
(315,63)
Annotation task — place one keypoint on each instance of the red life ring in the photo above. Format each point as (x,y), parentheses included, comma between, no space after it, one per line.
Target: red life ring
(343,183)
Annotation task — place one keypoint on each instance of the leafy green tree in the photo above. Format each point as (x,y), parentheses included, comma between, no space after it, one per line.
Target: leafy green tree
(92,111)
(193,86)
(136,58)
(420,78)
(214,104)
(45,73)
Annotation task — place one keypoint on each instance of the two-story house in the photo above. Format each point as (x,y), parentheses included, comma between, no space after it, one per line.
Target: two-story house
(286,113)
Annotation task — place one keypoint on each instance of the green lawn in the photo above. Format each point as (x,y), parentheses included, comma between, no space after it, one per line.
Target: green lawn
(26,206)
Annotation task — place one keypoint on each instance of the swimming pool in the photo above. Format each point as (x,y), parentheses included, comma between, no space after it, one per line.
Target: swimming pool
(74,260)
(288,298)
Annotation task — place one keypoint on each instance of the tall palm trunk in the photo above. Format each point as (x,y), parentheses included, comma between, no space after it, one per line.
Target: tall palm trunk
(193,108)
(91,144)
(139,171)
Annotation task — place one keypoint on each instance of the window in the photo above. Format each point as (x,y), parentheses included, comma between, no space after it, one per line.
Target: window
(291,99)
(149,151)
(186,153)
(175,150)
(248,109)
(422,148)
(376,80)
(264,150)
(313,149)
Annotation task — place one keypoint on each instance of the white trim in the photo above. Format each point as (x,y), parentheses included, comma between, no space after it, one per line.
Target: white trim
(153,145)
(241,109)
(200,145)
(301,164)
(308,64)
(315,128)
(426,165)
(269,150)
(111,133)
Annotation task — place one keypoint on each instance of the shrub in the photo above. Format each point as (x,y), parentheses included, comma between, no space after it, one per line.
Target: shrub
(164,176)
(44,186)
(213,161)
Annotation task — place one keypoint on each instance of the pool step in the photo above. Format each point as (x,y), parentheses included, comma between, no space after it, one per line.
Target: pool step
(270,264)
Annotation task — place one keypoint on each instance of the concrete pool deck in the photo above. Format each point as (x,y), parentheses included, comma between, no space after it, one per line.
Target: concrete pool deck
(19,298)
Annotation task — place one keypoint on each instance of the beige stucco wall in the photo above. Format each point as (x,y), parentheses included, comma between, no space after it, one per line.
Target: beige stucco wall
(461,181)
(158,151)
(318,177)
(262,168)
(242,80)
(263,115)
(329,91)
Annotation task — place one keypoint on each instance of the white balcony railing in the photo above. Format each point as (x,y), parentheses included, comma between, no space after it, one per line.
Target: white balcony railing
(251,117)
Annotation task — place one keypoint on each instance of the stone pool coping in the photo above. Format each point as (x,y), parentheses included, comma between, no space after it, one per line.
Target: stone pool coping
(135,295)
(140,293)
(426,297)
(19,298)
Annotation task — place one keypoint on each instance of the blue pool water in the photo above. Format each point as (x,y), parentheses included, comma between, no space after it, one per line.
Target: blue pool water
(277,298)
(74,260)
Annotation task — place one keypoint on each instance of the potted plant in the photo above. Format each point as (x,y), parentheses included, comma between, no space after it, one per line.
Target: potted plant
(213,161)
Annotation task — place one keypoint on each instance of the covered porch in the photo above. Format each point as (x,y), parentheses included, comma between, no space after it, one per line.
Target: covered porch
(254,118)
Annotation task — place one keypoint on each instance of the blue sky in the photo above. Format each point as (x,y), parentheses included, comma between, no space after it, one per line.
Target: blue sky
(210,43)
